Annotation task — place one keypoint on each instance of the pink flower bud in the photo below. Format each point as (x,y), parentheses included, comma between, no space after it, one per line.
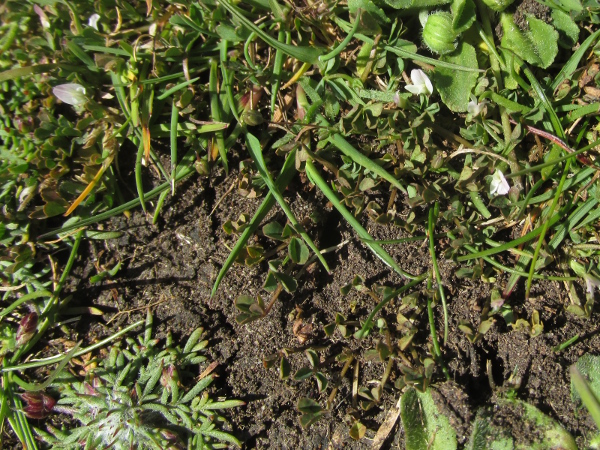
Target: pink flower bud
(37,404)
(27,328)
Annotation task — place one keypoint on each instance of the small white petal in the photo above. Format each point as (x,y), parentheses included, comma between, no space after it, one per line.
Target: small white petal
(416,89)
(475,108)
(93,21)
(152,30)
(499,185)
(421,83)
(591,282)
(71,93)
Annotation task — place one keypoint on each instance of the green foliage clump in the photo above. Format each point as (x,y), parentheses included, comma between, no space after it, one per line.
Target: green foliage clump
(135,398)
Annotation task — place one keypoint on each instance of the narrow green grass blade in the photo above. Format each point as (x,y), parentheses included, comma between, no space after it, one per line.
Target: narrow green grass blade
(585,392)
(347,27)
(20,425)
(215,111)
(176,88)
(227,77)
(546,226)
(26,71)
(138,175)
(56,372)
(514,243)
(174,122)
(159,206)
(433,212)
(576,180)
(255,150)
(26,298)
(347,149)
(57,358)
(367,325)
(83,56)
(572,221)
(186,168)
(301,53)
(510,270)
(340,48)
(287,172)
(571,65)
(277,66)
(111,51)
(377,249)
(509,105)
(556,125)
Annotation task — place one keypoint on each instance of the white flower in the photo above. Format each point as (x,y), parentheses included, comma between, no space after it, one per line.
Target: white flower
(499,185)
(591,282)
(71,93)
(43,16)
(475,108)
(93,21)
(421,83)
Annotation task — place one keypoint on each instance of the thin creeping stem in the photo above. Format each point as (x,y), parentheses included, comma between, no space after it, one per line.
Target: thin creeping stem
(583,159)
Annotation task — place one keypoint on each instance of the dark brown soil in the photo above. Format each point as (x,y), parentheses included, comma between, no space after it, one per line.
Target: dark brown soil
(171,267)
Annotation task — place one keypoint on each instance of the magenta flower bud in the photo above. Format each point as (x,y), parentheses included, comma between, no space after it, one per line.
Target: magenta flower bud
(27,328)
(38,405)
(169,375)
(89,389)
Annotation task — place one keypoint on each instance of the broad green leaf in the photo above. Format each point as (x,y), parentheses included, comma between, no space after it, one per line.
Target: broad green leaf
(549,433)
(486,436)
(589,366)
(566,27)
(413,421)
(538,45)
(425,426)
(441,436)
(463,15)
(455,87)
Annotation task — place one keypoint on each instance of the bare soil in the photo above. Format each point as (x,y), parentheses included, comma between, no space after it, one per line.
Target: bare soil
(171,267)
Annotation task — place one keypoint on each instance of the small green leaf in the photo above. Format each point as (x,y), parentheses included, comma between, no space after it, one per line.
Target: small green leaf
(358,430)
(308,406)
(300,52)
(322,381)
(287,281)
(313,358)
(284,368)
(298,251)
(303,373)
(566,27)
(273,230)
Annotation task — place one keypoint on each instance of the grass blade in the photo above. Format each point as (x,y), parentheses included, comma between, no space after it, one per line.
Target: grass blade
(215,111)
(256,152)
(301,53)
(377,249)
(571,65)
(284,178)
(347,149)
(433,212)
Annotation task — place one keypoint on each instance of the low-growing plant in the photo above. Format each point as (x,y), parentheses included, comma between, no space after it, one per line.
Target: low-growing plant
(138,397)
